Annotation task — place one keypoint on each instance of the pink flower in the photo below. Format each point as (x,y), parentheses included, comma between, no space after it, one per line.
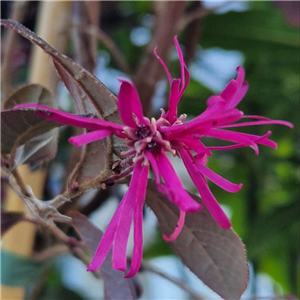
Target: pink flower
(148,142)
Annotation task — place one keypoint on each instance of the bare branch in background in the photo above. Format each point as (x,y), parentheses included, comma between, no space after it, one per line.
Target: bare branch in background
(197,14)
(109,44)
(50,253)
(180,283)
(74,246)
(17,14)
(93,9)
(149,71)
(85,53)
(193,32)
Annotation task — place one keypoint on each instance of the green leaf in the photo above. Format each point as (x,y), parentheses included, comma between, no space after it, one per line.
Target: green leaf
(19,271)
(214,255)
(263,28)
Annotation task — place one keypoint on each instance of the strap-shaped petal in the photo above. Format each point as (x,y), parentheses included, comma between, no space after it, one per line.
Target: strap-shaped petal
(207,197)
(129,104)
(201,124)
(106,241)
(122,233)
(65,118)
(173,187)
(261,122)
(178,228)
(163,65)
(134,196)
(173,100)
(138,222)
(217,179)
(89,137)
(250,140)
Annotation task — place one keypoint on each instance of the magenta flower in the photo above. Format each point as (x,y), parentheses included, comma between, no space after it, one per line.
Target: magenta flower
(149,141)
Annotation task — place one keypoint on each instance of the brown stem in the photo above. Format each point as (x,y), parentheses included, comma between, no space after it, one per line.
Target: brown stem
(19,181)
(177,282)
(49,253)
(74,246)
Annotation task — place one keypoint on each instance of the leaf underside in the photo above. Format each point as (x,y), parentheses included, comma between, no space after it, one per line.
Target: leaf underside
(21,131)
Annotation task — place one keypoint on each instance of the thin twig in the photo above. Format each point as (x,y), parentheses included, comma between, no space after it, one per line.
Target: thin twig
(108,42)
(49,253)
(179,283)
(198,14)
(75,246)
(19,181)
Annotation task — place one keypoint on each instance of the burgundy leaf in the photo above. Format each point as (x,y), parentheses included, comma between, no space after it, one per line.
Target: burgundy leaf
(9,219)
(35,148)
(215,255)
(20,126)
(32,93)
(116,286)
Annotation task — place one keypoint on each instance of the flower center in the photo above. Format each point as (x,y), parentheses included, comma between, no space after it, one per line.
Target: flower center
(143,131)
(148,137)
(153,147)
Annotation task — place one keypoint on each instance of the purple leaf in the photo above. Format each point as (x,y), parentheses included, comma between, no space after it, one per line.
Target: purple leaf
(116,286)
(33,147)
(20,126)
(32,93)
(9,219)
(215,255)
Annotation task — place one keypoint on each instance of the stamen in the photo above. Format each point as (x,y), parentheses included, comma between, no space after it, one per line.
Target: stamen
(153,126)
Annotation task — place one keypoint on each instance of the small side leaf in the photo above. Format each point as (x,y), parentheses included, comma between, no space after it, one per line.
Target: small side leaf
(116,286)
(32,93)
(30,148)
(214,255)
(20,126)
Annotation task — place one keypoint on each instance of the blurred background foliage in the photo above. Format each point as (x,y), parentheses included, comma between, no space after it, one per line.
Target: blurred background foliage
(265,39)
